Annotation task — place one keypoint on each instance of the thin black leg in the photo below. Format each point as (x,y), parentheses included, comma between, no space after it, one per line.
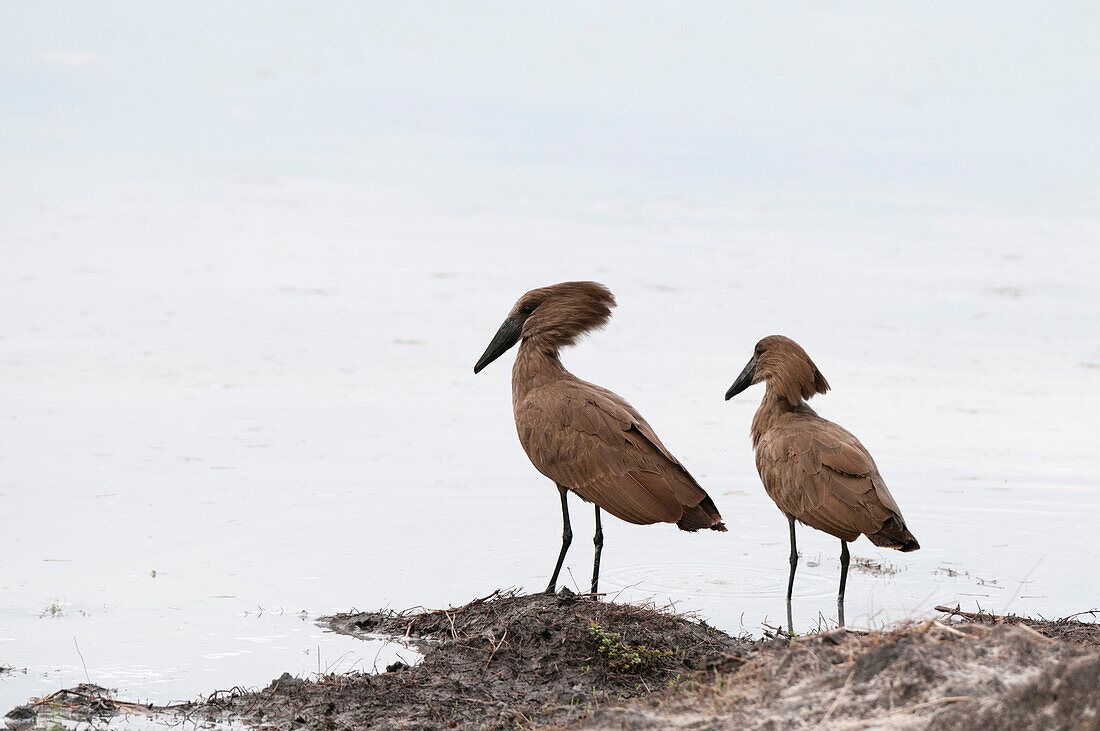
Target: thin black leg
(566,539)
(843,579)
(790,581)
(598,541)
(794,561)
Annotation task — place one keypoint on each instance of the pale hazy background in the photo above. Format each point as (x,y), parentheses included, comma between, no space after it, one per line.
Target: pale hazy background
(250,252)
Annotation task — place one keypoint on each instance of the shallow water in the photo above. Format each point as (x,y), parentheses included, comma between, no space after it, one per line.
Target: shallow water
(252,375)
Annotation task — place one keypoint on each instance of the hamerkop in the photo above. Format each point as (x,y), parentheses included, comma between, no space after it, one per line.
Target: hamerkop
(814,470)
(585,438)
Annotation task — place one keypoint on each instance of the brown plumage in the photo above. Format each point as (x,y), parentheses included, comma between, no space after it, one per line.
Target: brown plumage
(585,438)
(815,470)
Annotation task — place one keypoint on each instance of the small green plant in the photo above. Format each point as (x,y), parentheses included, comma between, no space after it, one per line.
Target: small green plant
(621,655)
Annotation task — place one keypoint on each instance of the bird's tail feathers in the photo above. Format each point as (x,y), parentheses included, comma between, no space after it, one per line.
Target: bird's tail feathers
(703,515)
(894,534)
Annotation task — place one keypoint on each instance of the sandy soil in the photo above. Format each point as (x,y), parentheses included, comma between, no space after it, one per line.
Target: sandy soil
(568,661)
(931,675)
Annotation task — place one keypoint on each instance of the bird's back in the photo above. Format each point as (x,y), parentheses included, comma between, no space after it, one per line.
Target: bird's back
(593,442)
(820,474)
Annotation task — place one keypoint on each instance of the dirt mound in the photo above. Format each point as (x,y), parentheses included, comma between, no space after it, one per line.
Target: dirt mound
(1065,695)
(931,675)
(498,661)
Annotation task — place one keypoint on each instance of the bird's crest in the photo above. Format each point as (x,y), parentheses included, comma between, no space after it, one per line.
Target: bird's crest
(556,316)
(788,371)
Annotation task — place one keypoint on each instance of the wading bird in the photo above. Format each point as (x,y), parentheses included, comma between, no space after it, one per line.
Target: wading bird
(585,438)
(814,470)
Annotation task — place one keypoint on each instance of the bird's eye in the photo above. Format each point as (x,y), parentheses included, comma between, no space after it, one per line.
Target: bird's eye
(527,309)
(759,350)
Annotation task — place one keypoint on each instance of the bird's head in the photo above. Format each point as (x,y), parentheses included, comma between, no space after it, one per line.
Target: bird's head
(784,366)
(552,317)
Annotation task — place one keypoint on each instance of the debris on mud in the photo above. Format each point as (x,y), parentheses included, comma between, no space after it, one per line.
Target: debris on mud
(1067,629)
(571,661)
(86,703)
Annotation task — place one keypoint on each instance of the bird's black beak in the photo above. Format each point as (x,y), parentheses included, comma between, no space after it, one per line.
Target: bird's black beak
(506,337)
(744,380)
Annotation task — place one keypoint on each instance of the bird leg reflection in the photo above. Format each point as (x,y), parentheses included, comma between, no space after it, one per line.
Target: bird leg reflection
(843,578)
(566,539)
(598,541)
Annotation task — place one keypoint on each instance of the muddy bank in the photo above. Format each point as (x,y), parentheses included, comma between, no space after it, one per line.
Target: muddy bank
(568,661)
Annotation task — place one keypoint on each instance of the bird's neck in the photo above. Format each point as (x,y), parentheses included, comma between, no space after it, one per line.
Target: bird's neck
(536,365)
(773,408)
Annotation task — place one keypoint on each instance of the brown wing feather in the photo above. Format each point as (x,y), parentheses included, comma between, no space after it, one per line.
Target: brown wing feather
(820,474)
(594,443)
(699,510)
